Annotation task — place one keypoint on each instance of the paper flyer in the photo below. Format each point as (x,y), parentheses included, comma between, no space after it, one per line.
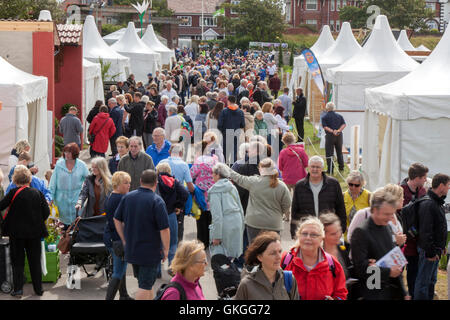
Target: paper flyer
(395,257)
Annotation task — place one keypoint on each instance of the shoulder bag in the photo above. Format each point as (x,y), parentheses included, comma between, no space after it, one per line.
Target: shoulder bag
(66,239)
(91,136)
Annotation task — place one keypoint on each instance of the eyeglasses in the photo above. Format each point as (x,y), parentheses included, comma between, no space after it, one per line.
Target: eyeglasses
(311,235)
(354,185)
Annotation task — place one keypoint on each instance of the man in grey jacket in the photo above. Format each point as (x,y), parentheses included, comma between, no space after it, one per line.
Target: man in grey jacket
(71,128)
(135,162)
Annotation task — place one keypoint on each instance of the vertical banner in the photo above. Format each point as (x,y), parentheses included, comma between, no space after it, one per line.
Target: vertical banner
(314,70)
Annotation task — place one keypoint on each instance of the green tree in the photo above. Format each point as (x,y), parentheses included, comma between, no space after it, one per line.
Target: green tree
(262,20)
(29,9)
(401,14)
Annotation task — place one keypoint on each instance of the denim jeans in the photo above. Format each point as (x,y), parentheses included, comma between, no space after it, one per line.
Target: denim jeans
(119,266)
(426,277)
(173,226)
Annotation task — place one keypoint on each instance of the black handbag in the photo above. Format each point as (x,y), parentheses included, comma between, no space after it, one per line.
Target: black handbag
(91,136)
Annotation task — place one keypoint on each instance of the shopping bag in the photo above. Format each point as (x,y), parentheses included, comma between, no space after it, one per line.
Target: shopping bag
(43,259)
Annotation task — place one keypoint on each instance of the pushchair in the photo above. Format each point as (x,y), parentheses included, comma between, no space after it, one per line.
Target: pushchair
(226,275)
(88,247)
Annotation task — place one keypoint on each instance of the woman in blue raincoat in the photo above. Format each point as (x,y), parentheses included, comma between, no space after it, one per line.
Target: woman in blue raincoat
(66,182)
(227,225)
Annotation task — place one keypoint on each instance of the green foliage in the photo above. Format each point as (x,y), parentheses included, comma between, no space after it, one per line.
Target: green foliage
(65,108)
(110,28)
(355,15)
(59,141)
(310,27)
(21,9)
(291,57)
(410,14)
(104,68)
(234,42)
(260,20)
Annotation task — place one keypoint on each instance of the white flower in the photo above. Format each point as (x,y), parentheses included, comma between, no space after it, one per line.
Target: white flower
(142,7)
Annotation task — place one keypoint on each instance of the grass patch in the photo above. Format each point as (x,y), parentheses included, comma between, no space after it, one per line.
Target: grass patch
(428,41)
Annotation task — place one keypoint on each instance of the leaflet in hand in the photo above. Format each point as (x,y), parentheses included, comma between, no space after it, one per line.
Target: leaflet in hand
(395,257)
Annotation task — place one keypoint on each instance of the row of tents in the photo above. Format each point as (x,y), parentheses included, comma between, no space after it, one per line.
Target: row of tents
(401,105)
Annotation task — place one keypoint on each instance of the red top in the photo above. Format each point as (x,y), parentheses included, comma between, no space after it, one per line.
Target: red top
(102,134)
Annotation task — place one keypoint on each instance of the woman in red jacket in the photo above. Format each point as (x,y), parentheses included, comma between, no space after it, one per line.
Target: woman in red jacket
(103,128)
(319,275)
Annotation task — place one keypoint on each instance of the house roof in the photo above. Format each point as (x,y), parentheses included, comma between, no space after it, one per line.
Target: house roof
(69,34)
(194,6)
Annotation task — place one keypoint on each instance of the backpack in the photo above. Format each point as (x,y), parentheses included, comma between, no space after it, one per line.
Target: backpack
(288,258)
(410,219)
(162,289)
(288,280)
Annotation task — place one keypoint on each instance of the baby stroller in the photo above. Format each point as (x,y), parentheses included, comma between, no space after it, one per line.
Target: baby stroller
(226,275)
(88,247)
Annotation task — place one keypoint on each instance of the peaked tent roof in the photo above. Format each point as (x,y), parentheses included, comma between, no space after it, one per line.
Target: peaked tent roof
(130,42)
(93,44)
(423,93)
(422,48)
(153,42)
(324,42)
(343,49)
(116,35)
(404,42)
(29,87)
(375,63)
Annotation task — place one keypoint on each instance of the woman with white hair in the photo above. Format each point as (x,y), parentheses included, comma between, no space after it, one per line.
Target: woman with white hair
(356,197)
(319,275)
(227,215)
(192,108)
(269,199)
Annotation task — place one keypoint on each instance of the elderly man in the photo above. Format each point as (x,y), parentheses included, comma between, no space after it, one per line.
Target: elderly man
(333,124)
(116,114)
(202,88)
(315,194)
(371,242)
(181,172)
(173,125)
(169,91)
(175,101)
(135,162)
(159,150)
(71,127)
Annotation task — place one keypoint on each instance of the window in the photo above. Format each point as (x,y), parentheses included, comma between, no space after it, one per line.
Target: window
(332,25)
(332,5)
(344,3)
(311,4)
(209,22)
(234,2)
(338,5)
(338,25)
(187,22)
(431,6)
(311,22)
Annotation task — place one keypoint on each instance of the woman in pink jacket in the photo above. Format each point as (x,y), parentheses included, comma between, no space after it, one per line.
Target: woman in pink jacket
(189,265)
(292,161)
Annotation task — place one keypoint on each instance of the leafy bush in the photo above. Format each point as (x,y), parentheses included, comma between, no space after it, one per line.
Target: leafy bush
(65,108)
(310,27)
(110,28)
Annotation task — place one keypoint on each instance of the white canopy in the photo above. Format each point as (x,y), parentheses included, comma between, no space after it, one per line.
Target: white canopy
(323,43)
(143,60)
(341,50)
(379,62)
(116,35)
(93,88)
(95,49)
(24,114)
(422,48)
(404,42)
(153,42)
(411,118)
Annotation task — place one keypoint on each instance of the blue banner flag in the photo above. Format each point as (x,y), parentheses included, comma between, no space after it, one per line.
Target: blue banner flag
(315,71)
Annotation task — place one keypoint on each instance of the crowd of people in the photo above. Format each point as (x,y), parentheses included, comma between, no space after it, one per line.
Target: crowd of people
(211,138)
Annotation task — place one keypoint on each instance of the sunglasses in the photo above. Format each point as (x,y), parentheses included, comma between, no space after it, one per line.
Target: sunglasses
(354,185)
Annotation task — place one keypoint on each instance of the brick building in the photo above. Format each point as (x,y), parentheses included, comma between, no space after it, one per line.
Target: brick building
(191,14)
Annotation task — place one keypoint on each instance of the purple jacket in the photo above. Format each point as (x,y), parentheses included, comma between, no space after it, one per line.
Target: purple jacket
(193,290)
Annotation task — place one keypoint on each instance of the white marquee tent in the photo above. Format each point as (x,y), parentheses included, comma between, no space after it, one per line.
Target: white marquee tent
(116,35)
(323,43)
(143,59)
(93,88)
(95,49)
(404,42)
(379,62)
(408,121)
(343,49)
(24,114)
(422,48)
(153,42)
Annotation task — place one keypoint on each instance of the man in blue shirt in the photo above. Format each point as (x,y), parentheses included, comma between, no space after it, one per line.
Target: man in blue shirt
(142,222)
(37,184)
(286,102)
(333,124)
(159,150)
(181,172)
